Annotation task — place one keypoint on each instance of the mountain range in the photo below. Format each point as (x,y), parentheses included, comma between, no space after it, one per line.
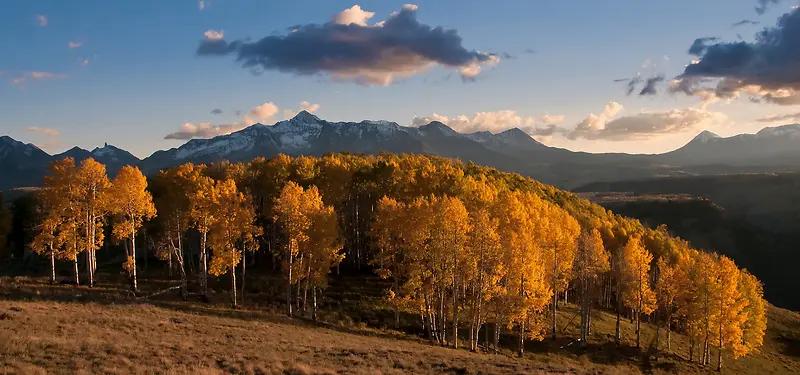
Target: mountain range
(770,150)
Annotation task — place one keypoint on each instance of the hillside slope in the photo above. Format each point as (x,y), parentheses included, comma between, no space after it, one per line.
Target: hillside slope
(54,330)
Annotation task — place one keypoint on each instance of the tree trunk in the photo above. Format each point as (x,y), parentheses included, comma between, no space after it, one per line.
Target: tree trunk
(289,281)
(244,272)
(233,285)
(395,305)
(89,270)
(52,266)
(669,345)
(75,270)
(639,325)
(554,308)
(584,311)
(314,302)
(203,265)
(521,349)
(719,351)
(496,338)
(455,309)
(298,300)
(134,285)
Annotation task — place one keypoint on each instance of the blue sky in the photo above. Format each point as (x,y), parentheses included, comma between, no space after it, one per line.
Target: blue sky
(133,76)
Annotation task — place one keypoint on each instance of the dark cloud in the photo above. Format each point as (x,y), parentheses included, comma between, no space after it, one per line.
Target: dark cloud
(204,130)
(762,5)
(766,69)
(745,22)
(530,50)
(401,46)
(650,85)
(508,56)
(700,45)
(216,111)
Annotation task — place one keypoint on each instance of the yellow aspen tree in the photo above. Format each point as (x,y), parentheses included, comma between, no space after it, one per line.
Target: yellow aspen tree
(755,311)
(453,220)
(324,251)
(132,204)
(92,184)
(229,231)
(559,247)
(591,262)
(385,232)
(203,214)
(291,213)
(728,307)
(484,270)
(667,291)
(636,275)
(45,240)
(172,193)
(62,188)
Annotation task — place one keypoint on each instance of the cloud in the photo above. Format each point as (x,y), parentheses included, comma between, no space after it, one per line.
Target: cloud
(216,111)
(529,50)
(264,111)
(494,122)
(304,106)
(650,85)
(353,16)
(42,20)
(765,70)
(214,35)
(553,119)
(75,44)
(44,131)
(261,113)
(347,49)
(52,136)
(794,117)
(37,75)
(745,22)
(204,130)
(85,62)
(762,5)
(607,126)
(201,4)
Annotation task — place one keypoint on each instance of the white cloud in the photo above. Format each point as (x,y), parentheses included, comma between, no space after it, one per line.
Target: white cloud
(264,111)
(42,20)
(75,44)
(494,122)
(37,75)
(792,117)
(201,4)
(353,15)
(644,125)
(214,34)
(44,131)
(85,62)
(553,119)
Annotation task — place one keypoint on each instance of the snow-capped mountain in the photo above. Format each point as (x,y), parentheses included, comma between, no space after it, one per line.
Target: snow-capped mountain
(21,164)
(114,158)
(774,146)
(513,150)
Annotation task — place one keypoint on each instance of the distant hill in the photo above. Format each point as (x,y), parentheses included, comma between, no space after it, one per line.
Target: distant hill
(771,256)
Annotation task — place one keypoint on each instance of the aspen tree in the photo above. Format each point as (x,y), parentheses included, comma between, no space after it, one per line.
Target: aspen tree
(132,204)
(92,183)
(591,261)
(636,275)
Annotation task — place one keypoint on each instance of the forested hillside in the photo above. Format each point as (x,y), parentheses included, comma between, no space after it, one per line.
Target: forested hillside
(463,246)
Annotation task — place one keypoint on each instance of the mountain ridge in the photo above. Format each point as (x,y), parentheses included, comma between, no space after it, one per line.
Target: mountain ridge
(510,150)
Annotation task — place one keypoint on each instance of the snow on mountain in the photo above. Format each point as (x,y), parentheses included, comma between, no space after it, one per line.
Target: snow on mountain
(790,131)
(705,137)
(10,146)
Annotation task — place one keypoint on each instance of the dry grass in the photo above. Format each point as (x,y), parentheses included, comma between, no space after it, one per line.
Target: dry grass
(64,329)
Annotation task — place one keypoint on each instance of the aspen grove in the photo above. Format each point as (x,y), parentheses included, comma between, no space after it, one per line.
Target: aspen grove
(465,248)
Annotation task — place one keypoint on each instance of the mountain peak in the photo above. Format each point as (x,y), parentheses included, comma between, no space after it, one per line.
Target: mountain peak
(705,136)
(305,116)
(438,126)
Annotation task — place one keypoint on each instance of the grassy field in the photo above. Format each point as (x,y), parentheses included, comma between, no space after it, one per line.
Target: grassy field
(68,329)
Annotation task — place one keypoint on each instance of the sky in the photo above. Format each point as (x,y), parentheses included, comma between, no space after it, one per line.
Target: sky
(151,74)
